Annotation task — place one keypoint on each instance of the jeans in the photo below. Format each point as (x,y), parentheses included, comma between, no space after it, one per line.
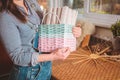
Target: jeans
(41,71)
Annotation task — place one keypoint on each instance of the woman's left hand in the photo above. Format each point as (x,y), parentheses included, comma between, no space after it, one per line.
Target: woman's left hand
(77,30)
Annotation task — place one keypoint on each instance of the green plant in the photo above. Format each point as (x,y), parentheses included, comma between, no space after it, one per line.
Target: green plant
(115,28)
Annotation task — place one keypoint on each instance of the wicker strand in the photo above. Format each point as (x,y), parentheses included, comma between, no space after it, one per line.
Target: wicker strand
(81,61)
(101,52)
(47,14)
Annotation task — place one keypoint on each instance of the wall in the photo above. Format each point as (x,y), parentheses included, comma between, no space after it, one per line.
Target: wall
(103,33)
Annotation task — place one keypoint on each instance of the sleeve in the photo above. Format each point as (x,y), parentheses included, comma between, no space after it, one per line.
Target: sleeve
(9,33)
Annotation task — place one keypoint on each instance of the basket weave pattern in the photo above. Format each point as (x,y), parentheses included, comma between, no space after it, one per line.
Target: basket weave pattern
(55,36)
(88,68)
(86,71)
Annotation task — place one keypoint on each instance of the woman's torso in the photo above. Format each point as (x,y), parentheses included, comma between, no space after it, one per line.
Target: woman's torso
(26,30)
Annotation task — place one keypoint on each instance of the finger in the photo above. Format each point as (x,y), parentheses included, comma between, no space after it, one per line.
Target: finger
(64,49)
(67,52)
(78,25)
(76,29)
(77,33)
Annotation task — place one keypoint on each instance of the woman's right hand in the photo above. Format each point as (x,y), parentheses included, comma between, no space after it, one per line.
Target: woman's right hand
(61,54)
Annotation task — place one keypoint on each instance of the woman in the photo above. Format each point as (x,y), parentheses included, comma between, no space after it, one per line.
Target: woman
(18,22)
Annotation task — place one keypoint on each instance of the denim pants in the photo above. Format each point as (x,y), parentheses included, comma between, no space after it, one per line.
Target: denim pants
(41,71)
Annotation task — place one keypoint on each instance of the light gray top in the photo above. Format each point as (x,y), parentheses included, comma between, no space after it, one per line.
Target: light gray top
(18,36)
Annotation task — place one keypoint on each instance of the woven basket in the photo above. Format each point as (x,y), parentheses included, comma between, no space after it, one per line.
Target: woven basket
(88,68)
(55,36)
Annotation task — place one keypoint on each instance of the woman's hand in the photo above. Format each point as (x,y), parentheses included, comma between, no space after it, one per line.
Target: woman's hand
(77,30)
(61,54)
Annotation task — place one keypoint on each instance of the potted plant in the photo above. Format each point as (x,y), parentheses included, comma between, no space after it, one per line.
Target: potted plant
(115,28)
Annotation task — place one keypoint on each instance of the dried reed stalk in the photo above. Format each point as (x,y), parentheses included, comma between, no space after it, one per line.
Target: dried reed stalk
(89,56)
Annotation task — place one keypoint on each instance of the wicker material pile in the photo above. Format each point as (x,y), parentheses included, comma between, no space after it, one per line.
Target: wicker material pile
(82,65)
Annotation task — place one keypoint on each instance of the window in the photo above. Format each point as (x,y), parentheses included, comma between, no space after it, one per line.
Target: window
(75,4)
(102,12)
(105,6)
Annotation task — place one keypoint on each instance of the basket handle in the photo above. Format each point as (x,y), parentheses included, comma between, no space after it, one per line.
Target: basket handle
(50,13)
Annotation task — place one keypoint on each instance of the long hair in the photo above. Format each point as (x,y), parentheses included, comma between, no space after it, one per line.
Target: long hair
(9,6)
